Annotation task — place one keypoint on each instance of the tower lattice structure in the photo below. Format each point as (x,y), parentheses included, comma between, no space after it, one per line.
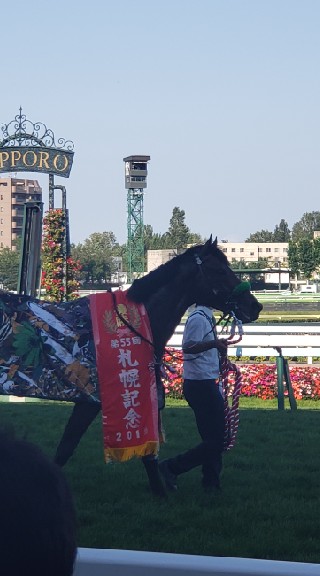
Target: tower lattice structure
(135,183)
(135,242)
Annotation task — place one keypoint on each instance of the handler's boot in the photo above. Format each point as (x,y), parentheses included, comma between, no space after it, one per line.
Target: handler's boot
(151,465)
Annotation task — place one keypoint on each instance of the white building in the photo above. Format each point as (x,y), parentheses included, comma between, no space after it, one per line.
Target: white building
(255,251)
(157,257)
(274,276)
(246,251)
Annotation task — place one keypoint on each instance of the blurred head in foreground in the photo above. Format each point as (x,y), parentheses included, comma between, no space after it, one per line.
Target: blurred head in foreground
(37,519)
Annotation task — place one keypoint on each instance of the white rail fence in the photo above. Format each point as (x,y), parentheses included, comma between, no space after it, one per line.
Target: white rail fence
(299,341)
(97,562)
(294,341)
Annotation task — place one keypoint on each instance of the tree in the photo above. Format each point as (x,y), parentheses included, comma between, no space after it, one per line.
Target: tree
(9,268)
(239,265)
(281,232)
(306,257)
(293,261)
(261,264)
(316,253)
(121,250)
(293,258)
(305,227)
(195,238)
(243,265)
(244,270)
(178,233)
(147,236)
(262,236)
(96,257)
(153,241)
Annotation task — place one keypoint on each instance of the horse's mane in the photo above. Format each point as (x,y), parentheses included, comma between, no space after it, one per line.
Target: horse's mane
(143,287)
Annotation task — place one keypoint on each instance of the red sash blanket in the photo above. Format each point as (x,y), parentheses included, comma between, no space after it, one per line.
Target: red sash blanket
(126,374)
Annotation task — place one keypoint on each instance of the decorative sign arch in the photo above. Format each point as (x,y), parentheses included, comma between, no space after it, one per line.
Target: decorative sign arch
(31,147)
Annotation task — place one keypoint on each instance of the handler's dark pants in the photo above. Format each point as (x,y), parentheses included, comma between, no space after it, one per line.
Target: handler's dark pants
(204,398)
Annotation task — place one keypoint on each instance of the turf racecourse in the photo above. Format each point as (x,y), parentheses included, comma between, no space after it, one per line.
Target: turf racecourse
(268,507)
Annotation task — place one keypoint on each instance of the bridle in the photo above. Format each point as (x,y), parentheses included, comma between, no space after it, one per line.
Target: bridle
(236,332)
(231,304)
(227,317)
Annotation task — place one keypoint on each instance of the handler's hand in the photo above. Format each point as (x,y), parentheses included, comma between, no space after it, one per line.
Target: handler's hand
(222,345)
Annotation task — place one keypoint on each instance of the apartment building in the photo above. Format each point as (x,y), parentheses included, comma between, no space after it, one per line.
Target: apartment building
(274,252)
(255,251)
(14,192)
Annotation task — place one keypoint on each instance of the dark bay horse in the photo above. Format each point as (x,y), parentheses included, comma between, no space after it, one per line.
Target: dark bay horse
(39,339)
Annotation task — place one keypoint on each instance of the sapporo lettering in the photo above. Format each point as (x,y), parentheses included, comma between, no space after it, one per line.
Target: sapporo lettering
(26,159)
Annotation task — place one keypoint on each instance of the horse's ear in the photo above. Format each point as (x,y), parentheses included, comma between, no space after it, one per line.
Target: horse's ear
(210,243)
(206,249)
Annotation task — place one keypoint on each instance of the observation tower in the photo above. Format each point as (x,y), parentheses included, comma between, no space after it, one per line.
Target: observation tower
(135,183)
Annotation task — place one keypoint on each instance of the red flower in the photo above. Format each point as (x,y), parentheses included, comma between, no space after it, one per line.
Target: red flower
(258,380)
(53,257)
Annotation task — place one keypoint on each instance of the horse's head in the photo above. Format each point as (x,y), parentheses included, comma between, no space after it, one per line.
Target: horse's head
(216,284)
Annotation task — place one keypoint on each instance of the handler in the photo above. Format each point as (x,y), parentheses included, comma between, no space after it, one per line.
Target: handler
(201,368)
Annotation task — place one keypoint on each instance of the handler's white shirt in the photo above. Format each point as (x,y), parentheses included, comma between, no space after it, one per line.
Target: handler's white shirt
(203,366)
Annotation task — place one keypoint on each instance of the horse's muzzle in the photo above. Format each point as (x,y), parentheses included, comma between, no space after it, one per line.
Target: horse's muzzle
(248,313)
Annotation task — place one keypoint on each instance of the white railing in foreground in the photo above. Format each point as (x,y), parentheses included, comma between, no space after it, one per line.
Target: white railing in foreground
(299,341)
(95,562)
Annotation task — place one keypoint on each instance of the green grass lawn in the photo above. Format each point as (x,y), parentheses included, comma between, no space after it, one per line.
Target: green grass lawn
(282,316)
(268,506)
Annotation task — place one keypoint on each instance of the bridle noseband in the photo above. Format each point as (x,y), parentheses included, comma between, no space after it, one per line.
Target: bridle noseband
(232,302)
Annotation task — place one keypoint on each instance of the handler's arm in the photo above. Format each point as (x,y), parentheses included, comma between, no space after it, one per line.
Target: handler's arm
(192,347)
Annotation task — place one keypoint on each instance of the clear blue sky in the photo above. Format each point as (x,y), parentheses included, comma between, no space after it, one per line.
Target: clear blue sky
(224,96)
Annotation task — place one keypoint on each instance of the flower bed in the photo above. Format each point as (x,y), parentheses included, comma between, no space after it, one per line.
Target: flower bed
(54,262)
(259,380)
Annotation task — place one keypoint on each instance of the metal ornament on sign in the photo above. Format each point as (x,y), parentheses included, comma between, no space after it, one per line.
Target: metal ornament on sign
(27,133)
(31,147)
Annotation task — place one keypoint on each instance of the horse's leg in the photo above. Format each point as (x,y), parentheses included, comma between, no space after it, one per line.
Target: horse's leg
(151,462)
(82,415)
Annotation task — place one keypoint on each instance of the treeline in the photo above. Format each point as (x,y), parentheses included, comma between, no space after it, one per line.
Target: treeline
(304,247)
(302,230)
(97,253)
